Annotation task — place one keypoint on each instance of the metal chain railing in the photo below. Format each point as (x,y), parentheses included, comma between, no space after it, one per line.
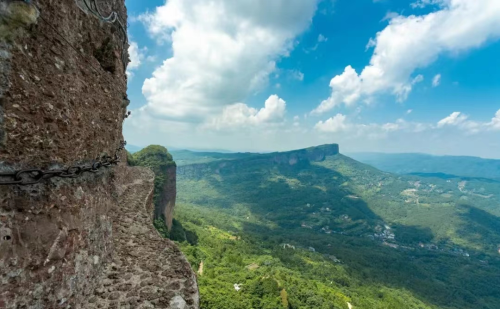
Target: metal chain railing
(34,176)
(113,18)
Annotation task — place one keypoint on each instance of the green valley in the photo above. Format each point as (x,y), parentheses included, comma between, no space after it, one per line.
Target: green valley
(316,229)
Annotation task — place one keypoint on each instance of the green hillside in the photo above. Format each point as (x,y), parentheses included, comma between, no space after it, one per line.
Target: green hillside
(325,232)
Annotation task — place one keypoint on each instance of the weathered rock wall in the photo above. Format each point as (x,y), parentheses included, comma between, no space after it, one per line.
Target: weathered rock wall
(62,101)
(59,105)
(168,195)
(80,242)
(54,242)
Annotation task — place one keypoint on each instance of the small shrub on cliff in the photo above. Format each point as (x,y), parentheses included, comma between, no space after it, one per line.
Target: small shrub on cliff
(161,227)
(130,159)
(177,233)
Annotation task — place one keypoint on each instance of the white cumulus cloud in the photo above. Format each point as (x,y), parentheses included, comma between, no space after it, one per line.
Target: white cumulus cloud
(461,121)
(296,74)
(322,38)
(241,115)
(420,4)
(412,42)
(346,89)
(136,55)
(340,123)
(454,119)
(333,124)
(389,127)
(436,80)
(495,122)
(223,50)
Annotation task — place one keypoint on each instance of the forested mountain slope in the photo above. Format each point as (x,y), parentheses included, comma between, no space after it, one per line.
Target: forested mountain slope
(325,231)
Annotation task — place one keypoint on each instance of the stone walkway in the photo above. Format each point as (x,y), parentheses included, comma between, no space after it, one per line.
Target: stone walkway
(147,271)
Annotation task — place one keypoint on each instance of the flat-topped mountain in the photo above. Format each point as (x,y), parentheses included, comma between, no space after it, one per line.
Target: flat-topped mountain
(186,157)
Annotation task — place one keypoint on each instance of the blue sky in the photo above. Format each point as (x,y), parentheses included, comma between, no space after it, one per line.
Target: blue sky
(255,75)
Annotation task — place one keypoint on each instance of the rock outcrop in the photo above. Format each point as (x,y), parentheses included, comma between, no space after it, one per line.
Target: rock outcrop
(168,195)
(161,162)
(62,103)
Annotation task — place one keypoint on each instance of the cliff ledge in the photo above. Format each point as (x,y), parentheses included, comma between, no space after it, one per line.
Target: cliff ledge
(146,271)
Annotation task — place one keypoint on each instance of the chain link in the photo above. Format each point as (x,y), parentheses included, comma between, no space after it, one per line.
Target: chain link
(34,176)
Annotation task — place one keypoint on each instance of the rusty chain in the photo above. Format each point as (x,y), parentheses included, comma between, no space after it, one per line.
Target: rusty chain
(33,176)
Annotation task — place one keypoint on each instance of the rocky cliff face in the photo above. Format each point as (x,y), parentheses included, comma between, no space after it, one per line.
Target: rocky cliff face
(146,271)
(62,102)
(168,195)
(58,107)
(161,162)
(63,94)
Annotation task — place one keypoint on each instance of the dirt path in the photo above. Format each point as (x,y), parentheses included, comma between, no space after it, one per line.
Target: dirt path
(147,270)
(200,269)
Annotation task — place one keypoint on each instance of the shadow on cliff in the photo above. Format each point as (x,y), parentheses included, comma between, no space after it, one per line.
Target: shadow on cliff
(480,226)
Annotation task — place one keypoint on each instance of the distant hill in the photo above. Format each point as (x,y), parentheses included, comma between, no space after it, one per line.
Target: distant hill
(134,148)
(327,229)
(407,163)
(185,157)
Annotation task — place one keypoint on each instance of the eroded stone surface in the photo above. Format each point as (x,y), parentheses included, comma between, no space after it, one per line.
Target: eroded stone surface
(54,243)
(62,102)
(58,107)
(59,104)
(168,196)
(147,271)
